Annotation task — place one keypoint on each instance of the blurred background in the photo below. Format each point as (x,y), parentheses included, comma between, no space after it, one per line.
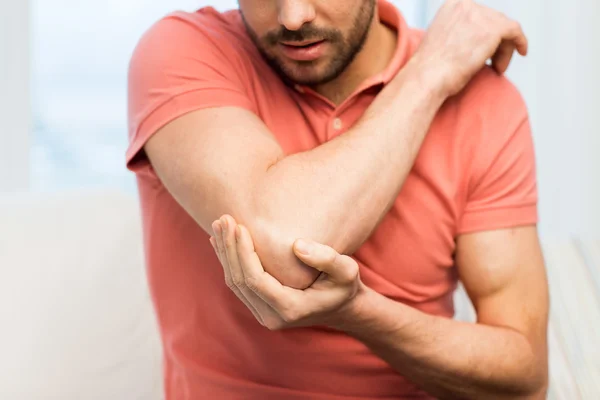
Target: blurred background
(63,66)
(73,55)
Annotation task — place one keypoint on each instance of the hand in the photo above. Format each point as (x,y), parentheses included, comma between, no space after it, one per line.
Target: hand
(462,38)
(329,301)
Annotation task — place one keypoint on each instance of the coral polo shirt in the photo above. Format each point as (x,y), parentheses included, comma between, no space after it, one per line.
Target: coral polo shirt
(475,171)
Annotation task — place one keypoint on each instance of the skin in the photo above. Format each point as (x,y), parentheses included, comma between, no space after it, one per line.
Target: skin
(345,33)
(194,156)
(506,357)
(358,45)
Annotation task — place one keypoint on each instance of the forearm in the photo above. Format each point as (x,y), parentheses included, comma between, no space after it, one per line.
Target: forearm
(448,358)
(338,192)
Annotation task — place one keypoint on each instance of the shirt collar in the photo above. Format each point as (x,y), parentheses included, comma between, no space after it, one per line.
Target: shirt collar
(391,16)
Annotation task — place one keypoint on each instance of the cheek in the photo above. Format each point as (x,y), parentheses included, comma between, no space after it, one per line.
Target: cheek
(339,13)
(260,15)
(340,19)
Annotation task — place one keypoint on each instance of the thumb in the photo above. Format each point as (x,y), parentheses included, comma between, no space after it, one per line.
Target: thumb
(340,268)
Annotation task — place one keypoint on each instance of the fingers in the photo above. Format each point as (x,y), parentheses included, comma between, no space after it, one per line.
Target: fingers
(501,60)
(217,242)
(229,247)
(238,278)
(340,268)
(506,28)
(228,257)
(260,282)
(512,38)
(260,291)
(517,36)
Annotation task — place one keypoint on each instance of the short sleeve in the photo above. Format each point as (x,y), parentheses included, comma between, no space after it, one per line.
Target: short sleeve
(502,189)
(181,64)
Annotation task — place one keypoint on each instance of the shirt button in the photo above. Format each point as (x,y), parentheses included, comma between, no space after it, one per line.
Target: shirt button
(337,124)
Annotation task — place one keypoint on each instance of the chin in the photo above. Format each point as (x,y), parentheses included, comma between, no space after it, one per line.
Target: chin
(303,73)
(307,75)
(306,79)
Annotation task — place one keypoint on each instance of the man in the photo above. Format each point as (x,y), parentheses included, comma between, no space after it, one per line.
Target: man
(348,170)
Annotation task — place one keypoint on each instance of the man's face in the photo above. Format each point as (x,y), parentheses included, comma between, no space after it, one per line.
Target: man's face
(310,42)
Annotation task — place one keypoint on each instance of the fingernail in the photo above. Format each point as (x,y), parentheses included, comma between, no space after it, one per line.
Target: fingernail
(225,225)
(303,247)
(238,232)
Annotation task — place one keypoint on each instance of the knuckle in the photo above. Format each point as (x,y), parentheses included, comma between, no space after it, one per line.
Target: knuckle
(229,283)
(514,27)
(351,274)
(331,257)
(353,271)
(290,315)
(238,281)
(229,245)
(250,283)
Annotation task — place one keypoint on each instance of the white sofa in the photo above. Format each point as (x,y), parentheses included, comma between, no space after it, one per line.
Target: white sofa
(76,321)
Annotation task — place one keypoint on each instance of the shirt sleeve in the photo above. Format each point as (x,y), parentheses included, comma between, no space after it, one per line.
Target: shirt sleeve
(502,190)
(177,67)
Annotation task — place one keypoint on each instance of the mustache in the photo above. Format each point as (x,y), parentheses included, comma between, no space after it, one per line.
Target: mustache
(306,32)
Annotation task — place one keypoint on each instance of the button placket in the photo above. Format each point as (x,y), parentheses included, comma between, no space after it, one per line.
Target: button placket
(337,124)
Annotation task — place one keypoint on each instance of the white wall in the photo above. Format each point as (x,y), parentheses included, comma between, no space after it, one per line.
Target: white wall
(560,80)
(14,94)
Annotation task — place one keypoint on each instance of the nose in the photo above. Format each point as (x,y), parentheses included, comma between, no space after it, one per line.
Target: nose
(295,13)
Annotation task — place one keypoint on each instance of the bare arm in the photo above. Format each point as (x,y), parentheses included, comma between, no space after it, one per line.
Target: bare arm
(239,169)
(225,161)
(503,356)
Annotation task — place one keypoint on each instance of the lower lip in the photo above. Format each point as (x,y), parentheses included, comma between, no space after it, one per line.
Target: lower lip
(309,53)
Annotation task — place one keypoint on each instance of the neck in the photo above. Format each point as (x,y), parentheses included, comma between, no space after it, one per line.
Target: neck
(374,57)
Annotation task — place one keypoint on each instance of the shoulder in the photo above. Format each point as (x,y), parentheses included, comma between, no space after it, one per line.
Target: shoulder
(203,34)
(492,94)
(488,125)
(488,95)
(205,21)
(489,111)
(495,124)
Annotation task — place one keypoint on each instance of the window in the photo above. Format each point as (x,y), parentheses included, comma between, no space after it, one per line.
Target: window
(81,50)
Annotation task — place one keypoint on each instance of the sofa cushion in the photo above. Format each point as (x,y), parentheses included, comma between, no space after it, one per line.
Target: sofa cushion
(76,316)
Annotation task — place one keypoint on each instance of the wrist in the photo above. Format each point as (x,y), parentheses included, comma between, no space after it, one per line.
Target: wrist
(355,315)
(430,77)
(372,315)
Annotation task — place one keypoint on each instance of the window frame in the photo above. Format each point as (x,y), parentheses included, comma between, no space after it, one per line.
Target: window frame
(15,97)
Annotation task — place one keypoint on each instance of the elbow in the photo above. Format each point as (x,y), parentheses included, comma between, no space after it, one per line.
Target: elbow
(537,390)
(274,247)
(542,392)
(539,381)
(533,385)
(538,387)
